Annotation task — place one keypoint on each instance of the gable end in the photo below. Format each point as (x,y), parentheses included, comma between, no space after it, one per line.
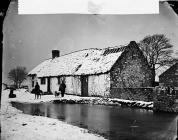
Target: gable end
(131,69)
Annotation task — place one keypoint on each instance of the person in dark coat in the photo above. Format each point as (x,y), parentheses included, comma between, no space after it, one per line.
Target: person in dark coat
(62,88)
(37,90)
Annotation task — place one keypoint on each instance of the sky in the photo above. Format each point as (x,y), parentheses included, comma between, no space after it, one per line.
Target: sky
(29,39)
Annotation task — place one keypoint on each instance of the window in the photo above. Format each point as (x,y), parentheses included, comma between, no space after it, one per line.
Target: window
(59,80)
(63,79)
(33,83)
(33,77)
(43,81)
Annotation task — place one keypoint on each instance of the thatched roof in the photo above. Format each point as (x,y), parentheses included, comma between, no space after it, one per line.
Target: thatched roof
(84,62)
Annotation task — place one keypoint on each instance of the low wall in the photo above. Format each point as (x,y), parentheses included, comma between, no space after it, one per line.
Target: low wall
(165,102)
(140,94)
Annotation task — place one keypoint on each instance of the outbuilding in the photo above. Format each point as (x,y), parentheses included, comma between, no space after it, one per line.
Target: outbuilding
(170,76)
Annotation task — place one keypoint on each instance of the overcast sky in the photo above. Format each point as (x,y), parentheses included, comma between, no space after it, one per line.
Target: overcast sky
(29,39)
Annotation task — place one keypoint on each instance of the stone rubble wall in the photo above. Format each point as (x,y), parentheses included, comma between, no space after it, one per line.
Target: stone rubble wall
(131,70)
(165,102)
(139,94)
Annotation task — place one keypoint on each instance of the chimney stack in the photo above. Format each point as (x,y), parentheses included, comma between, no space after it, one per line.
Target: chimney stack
(55,53)
(133,43)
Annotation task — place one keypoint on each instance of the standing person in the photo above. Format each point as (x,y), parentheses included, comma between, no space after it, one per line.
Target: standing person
(37,90)
(62,88)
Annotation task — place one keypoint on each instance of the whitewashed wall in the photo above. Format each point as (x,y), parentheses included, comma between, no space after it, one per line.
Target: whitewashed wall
(99,85)
(43,87)
(54,84)
(30,82)
(73,85)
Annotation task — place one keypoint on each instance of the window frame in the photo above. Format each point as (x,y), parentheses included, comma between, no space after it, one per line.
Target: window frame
(43,81)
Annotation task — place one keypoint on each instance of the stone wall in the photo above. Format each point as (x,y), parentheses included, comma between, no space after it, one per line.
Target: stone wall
(131,70)
(165,102)
(140,94)
(169,79)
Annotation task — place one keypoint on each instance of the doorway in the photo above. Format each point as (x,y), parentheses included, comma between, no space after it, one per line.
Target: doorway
(48,85)
(84,86)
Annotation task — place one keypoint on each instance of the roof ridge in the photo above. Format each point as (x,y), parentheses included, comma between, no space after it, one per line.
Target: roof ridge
(76,66)
(120,46)
(81,50)
(73,52)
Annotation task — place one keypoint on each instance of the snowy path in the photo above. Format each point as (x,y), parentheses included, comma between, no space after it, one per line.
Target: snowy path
(18,126)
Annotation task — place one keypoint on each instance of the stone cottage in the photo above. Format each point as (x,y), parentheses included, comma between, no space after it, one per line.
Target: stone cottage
(93,72)
(170,76)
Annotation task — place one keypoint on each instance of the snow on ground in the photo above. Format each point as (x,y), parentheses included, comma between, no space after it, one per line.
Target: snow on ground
(18,126)
(140,104)
(25,97)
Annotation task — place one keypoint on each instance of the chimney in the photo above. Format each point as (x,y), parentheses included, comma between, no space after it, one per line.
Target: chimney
(55,53)
(133,43)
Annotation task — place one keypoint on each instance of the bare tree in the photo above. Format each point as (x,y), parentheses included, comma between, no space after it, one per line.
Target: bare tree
(18,75)
(158,51)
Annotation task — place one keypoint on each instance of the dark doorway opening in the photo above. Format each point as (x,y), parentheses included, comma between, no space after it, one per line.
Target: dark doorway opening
(48,85)
(84,86)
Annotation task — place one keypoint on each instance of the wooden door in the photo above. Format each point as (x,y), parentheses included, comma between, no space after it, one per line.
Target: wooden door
(84,86)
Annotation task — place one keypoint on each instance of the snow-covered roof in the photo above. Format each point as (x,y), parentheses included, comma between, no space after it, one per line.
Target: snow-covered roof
(84,62)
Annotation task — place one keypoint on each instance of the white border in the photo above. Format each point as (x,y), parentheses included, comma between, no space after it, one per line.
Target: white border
(88,6)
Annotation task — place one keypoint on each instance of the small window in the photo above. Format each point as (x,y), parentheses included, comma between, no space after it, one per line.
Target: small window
(59,80)
(62,79)
(43,81)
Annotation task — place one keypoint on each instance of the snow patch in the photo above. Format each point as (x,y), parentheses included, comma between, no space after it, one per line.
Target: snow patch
(18,126)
